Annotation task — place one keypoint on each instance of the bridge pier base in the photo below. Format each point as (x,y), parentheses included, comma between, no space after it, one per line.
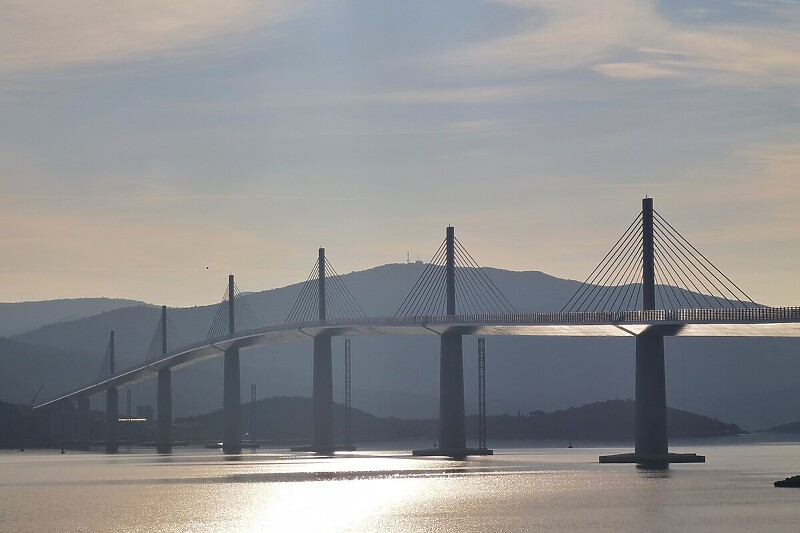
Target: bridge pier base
(651,397)
(164,414)
(452,425)
(322,435)
(112,420)
(84,423)
(651,441)
(322,440)
(232,403)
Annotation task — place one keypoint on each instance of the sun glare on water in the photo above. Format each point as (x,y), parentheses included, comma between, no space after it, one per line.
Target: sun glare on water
(342,499)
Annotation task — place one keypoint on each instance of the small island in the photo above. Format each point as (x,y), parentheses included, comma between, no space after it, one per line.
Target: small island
(287,420)
(793,481)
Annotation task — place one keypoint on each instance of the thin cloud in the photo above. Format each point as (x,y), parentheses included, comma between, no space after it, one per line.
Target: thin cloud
(458,95)
(41,34)
(604,36)
(478,126)
(177,198)
(634,71)
(541,90)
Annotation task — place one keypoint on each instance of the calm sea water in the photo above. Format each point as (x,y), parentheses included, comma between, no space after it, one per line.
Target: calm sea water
(518,489)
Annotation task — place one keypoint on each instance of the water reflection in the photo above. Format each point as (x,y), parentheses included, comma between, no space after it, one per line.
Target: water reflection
(515,490)
(654,470)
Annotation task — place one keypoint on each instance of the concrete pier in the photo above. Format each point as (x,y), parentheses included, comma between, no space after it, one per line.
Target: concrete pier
(164,414)
(452,427)
(232,403)
(651,396)
(322,440)
(112,419)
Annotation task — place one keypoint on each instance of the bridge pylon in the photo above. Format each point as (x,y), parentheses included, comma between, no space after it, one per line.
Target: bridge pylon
(164,395)
(452,425)
(651,440)
(231,386)
(112,405)
(322,386)
(322,436)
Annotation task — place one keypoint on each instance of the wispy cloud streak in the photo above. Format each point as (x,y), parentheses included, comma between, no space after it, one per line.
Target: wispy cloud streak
(41,34)
(630,39)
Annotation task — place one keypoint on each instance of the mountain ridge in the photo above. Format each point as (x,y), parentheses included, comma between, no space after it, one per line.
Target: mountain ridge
(20,317)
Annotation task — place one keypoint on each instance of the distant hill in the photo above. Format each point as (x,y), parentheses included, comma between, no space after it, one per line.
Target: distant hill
(792,427)
(743,380)
(286,420)
(25,367)
(289,418)
(16,318)
(609,420)
(89,336)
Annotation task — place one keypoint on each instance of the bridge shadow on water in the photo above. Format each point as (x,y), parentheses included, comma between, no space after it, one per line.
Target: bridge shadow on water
(654,470)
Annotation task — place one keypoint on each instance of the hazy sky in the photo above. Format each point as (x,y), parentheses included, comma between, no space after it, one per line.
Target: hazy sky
(141,141)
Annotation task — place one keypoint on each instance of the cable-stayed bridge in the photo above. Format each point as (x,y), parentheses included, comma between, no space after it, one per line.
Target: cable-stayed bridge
(651,284)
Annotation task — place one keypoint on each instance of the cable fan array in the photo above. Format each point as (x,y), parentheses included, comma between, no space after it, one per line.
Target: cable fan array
(105,365)
(684,277)
(339,301)
(679,264)
(174,340)
(476,293)
(244,318)
(615,283)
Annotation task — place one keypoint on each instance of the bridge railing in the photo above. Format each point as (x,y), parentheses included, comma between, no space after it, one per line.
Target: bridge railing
(741,314)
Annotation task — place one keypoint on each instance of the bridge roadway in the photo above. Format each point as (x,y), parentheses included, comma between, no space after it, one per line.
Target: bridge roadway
(737,322)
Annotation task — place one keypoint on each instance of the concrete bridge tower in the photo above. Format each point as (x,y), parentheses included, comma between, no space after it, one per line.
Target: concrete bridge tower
(452,427)
(651,389)
(650,433)
(322,439)
(112,406)
(231,390)
(164,395)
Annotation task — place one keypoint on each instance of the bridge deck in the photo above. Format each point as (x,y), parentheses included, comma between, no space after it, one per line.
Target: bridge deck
(739,322)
